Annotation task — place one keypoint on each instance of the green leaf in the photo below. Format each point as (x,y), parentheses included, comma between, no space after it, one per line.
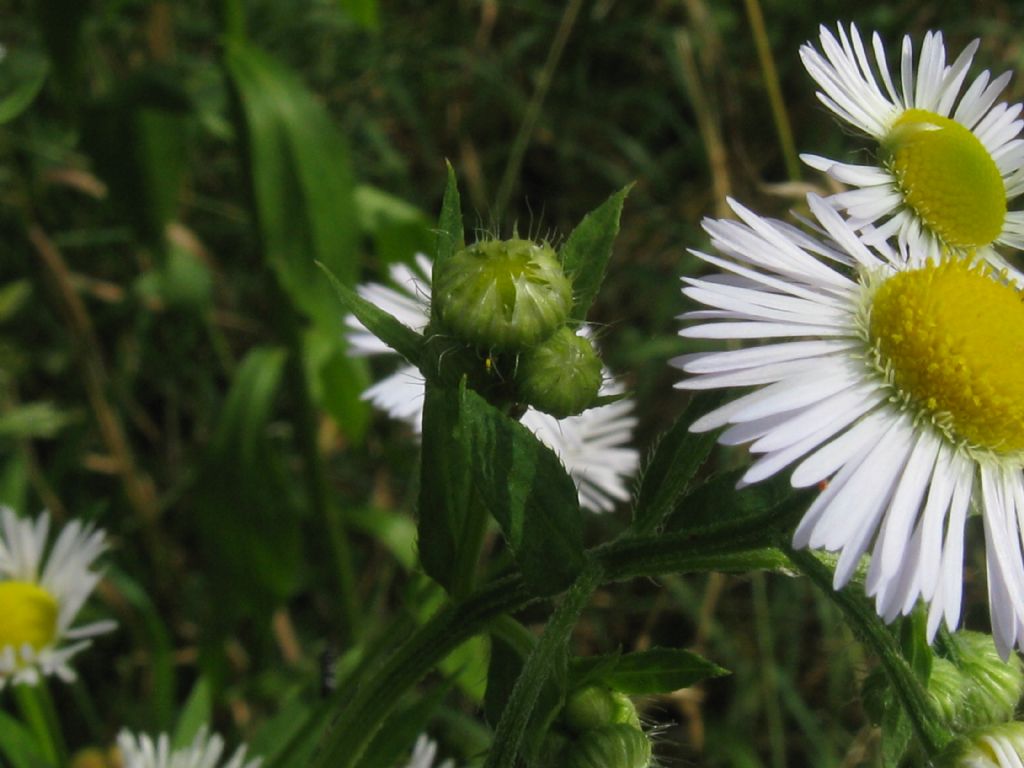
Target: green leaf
(400,338)
(247,511)
(525,487)
(194,715)
(288,739)
(658,670)
(672,466)
(915,646)
(19,746)
(393,531)
(586,253)
(397,228)
(506,662)
(34,420)
(22,76)
(337,381)
(302,181)
(717,502)
(445,513)
(363,13)
(449,224)
(13,296)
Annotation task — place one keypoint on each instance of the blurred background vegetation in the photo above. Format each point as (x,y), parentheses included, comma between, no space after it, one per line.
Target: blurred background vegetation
(172,365)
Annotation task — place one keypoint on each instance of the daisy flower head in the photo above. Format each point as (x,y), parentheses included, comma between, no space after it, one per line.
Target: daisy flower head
(41,593)
(950,159)
(141,751)
(593,445)
(895,376)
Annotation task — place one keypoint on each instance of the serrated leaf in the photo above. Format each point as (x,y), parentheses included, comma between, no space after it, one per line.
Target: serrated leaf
(586,252)
(659,670)
(400,338)
(672,466)
(717,502)
(525,487)
(449,223)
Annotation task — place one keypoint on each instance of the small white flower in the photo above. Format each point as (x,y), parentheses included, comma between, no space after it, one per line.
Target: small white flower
(40,597)
(949,160)
(593,446)
(894,377)
(423,755)
(140,751)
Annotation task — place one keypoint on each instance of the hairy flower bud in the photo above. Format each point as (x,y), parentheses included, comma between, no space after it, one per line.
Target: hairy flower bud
(611,746)
(561,376)
(992,686)
(502,294)
(596,706)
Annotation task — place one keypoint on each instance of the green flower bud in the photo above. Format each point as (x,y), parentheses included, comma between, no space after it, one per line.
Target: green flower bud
(992,686)
(994,746)
(502,294)
(611,746)
(947,688)
(596,706)
(561,376)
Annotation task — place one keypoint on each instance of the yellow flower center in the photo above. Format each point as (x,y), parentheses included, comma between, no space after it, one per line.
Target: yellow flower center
(28,614)
(948,177)
(953,338)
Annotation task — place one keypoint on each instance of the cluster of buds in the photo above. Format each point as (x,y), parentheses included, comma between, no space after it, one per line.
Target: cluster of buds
(510,301)
(597,728)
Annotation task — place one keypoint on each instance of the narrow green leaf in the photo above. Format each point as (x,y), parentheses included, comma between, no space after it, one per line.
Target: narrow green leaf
(915,646)
(194,715)
(302,180)
(34,420)
(586,253)
(246,504)
(445,485)
(400,338)
(449,224)
(672,466)
(525,487)
(397,228)
(21,79)
(19,746)
(658,670)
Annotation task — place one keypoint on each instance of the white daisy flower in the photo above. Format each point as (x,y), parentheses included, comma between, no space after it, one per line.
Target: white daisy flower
(950,160)
(40,596)
(995,746)
(897,378)
(593,446)
(140,751)
(423,755)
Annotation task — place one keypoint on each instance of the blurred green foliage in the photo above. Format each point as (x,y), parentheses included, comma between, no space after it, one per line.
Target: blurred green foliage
(172,363)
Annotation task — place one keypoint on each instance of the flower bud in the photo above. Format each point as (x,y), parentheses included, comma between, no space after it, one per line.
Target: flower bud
(993,746)
(561,376)
(992,686)
(611,746)
(596,706)
(502,294)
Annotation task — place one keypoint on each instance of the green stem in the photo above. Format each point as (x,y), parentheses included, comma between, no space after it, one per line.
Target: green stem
(923,716)
(538,668)
(353,728)
(37,710)
(355,725)
(771,84)
(768,670)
